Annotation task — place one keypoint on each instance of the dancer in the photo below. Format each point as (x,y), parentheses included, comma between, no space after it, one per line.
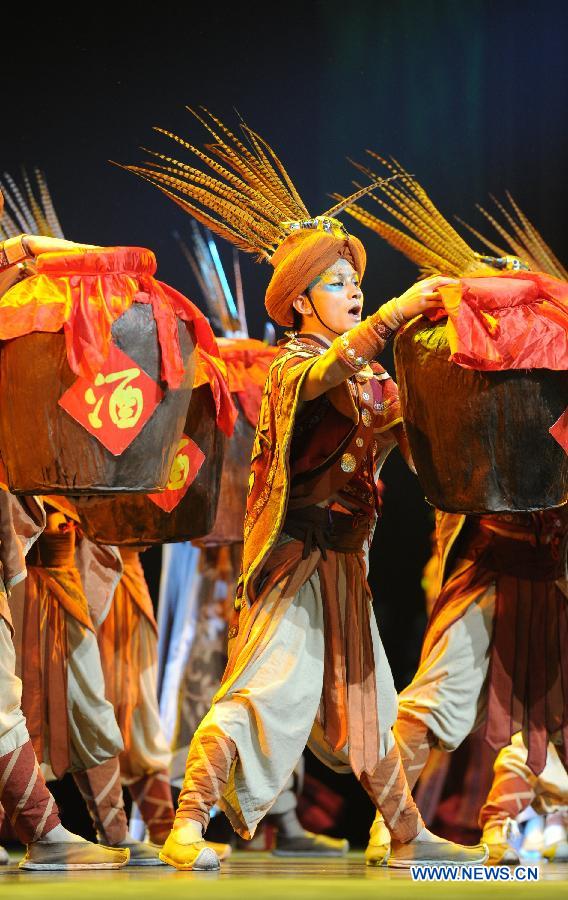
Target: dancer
(23,792)
(306,647)
(72,725)
(500,608)
(453,686)
(453,786)
(205,599)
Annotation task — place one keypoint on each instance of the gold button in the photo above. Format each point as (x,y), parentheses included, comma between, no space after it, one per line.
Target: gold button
(366,396)
(366,416)
(359,442)
(348,462)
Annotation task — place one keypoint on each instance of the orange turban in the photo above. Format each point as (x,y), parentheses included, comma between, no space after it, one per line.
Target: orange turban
(300,258)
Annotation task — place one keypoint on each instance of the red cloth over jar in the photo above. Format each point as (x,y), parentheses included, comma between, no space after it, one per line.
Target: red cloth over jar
(510,321)
(84,292)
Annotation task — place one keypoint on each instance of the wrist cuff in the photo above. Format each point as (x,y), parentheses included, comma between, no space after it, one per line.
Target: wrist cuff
(14,250)
(391,314)
(358,346)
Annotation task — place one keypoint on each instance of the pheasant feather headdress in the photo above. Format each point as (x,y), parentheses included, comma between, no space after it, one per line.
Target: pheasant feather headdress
(245,195)
(28,210)
(426,237)
(521,237)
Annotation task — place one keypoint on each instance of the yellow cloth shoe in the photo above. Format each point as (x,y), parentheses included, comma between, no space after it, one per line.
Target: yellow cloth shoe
(435,853)
(497,836)
(197,856)
(378,848)
(223,851)
(556,852)
(73,855)
(555,837)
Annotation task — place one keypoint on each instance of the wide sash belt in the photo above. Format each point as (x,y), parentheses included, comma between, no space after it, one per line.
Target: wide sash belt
(324,529)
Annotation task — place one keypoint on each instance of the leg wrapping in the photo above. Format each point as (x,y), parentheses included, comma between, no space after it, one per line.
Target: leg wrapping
(510,794)
(388,789)
(210,758)
(153,795)
(101,789)
(24,795)
(415,741)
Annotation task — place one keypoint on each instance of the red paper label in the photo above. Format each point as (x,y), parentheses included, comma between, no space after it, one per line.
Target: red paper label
(115,406)
(559,430)
(187,463)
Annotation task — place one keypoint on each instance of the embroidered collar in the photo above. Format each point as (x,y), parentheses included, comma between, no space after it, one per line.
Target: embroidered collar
(307,342)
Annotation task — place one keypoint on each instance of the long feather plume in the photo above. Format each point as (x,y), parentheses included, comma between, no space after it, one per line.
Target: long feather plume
(421,232)
(28,209)
(243,199)
(241,193)
(521,237)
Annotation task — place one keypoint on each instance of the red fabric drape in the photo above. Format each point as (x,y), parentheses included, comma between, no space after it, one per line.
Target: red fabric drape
(85,292)
(247,362)
(511,321)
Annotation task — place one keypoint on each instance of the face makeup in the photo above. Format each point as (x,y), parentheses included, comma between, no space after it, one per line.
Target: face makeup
(334,301)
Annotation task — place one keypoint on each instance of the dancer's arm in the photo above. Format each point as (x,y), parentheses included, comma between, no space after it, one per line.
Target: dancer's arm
(18,249)
(356,348)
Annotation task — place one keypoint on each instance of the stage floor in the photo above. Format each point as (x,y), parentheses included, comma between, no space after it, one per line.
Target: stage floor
(259,876)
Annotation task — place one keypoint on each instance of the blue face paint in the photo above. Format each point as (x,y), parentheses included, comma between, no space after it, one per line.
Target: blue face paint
(338,284)
(328,285)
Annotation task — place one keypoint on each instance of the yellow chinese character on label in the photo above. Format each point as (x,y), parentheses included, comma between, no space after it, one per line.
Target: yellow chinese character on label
(179,471)
(125,404)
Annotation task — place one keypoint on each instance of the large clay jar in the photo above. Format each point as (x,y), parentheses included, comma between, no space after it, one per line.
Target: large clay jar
(228,524)
(134,520)
(45,450)
(480,440)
